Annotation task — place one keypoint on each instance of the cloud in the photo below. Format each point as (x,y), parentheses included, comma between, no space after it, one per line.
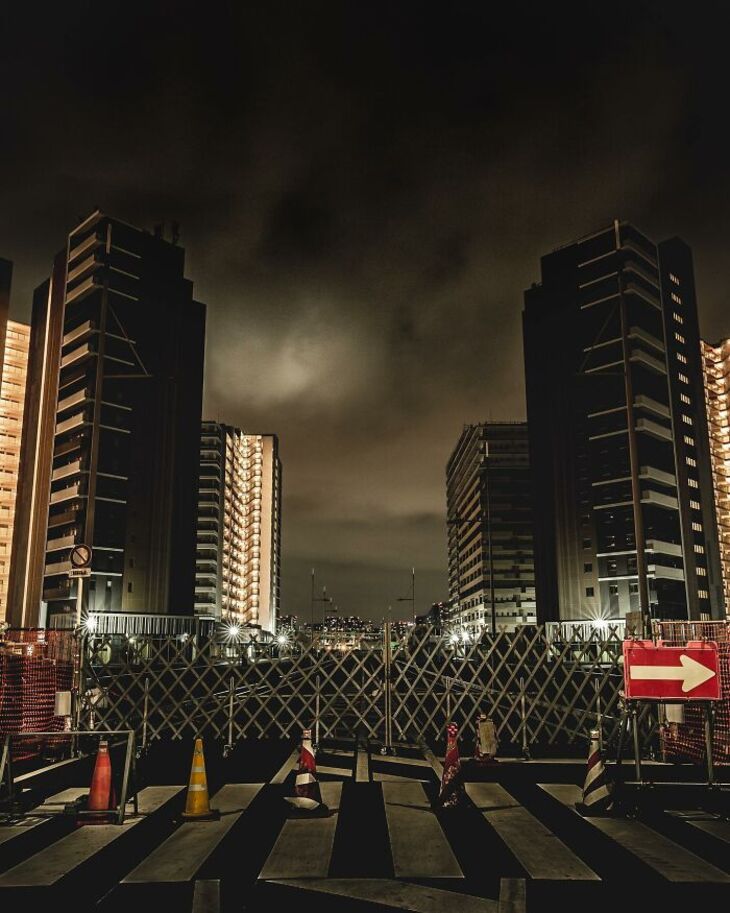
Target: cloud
(365,191)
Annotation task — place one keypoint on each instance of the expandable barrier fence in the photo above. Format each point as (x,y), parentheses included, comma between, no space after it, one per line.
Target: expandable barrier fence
(543,687)
(34,665)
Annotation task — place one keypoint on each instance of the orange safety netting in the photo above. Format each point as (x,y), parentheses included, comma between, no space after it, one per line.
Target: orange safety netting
(34,665)
(686,741)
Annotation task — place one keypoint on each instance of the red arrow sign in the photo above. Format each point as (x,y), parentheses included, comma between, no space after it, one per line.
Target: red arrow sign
(657,672)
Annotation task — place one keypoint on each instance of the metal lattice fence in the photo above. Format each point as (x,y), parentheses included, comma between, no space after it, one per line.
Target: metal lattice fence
(542,686)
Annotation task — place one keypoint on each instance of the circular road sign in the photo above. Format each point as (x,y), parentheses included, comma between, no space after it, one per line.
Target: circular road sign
(80,556)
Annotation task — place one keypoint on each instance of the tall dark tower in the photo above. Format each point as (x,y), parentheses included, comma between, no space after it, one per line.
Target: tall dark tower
(111,439)
(624,514)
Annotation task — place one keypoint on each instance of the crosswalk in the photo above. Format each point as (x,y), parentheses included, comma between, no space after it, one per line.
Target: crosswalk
(534,832)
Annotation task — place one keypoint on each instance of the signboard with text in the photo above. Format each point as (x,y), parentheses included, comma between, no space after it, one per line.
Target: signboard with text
(656,672)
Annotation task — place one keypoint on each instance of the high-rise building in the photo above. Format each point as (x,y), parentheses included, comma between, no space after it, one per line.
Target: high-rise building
(14,341)
(716,361)
(239,526)
(111,436)
(489,518)
(623,504)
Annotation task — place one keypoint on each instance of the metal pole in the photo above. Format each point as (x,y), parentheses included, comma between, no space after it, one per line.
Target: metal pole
(709,713)
(523,715)
(125,777)
(413,592)
(79,599)
(145,711)
(312,606)
(387,685)
(77,686)
(637,747)
(599,712)
(231,691)
(316,714)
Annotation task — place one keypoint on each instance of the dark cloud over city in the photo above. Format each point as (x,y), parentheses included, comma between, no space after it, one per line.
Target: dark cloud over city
(364,191)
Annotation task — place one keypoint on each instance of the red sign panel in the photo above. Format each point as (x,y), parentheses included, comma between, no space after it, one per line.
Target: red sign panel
(657,672)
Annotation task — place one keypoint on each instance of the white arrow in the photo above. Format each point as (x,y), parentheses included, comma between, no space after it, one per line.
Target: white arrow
(691,673)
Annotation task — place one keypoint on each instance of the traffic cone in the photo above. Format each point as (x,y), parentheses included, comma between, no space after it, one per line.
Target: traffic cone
(452,792)
(307,799)
(596,798)
(485,743)
(101,792)
(197,803)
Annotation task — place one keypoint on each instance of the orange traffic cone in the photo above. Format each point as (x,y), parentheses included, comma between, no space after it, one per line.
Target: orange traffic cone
(452,792)
(197,804)
(101,793)
(307,799)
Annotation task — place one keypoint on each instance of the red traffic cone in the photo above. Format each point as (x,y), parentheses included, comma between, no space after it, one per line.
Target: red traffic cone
(101,793)
(596,798)
(452,792)
(485,743)
(307,799)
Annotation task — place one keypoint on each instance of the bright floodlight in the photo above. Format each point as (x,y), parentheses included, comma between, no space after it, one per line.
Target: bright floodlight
(454,638)
(234,631)
(90,623)
(281,639)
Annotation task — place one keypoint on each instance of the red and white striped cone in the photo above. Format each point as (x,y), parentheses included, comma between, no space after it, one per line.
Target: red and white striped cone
(307,798)
(596,790)
(485,742)
(452,791)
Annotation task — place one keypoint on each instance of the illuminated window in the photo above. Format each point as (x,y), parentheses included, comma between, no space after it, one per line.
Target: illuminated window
(701,572)
(693,483)
(674,279)
(695,505)
(686,419)
(703,594)
(690,461)
(676,299)
(683,378)
(685,399)
(697,527)
(700,549)
(690,441)
(682,358)
(677,317)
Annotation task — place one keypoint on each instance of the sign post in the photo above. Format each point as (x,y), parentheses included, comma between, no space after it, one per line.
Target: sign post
(80,559)
(661,673)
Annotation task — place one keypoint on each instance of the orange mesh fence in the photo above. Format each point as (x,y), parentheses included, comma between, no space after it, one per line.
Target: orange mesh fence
(34,665)
(686,741)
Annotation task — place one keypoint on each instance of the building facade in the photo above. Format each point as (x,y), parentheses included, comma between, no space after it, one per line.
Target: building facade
(111,439)
(716,362)
(238,564)
(489,520)
(14,360)
(624,512)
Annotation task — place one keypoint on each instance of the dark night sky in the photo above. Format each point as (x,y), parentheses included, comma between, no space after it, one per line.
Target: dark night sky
(365,189)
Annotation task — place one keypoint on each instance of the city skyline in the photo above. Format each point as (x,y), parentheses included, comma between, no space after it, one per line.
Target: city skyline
(363,251)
